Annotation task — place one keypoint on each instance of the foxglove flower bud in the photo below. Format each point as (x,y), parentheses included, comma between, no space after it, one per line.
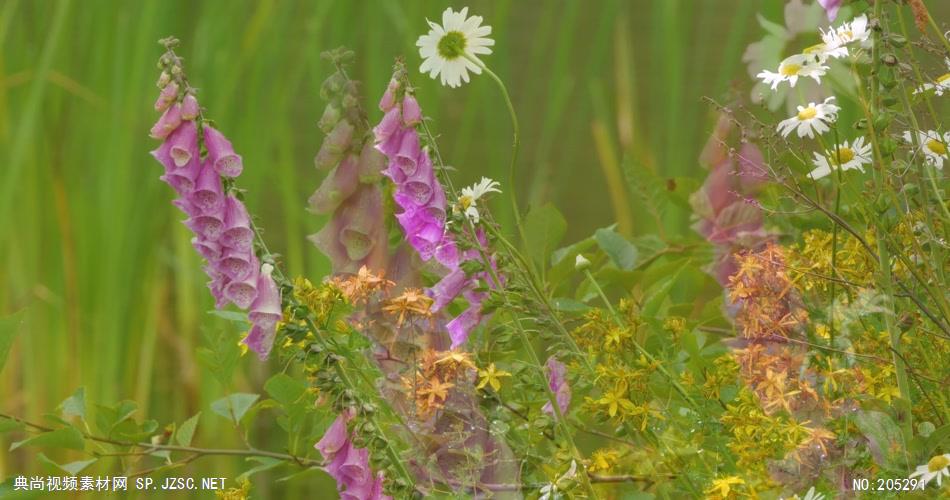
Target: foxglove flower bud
(557,382)
(183,143)
(349,465)
(168,96)
(331,116)
(264,314)
(189,108)
(388,100)
(336,187)
(221,154)
(411,114)
(168,122)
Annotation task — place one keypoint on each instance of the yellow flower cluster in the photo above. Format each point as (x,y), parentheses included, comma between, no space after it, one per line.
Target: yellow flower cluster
(758,436)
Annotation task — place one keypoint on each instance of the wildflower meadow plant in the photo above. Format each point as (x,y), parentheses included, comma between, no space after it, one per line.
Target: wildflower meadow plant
(792,344)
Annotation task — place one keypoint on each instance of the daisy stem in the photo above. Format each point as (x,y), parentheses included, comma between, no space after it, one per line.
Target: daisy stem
(514,145)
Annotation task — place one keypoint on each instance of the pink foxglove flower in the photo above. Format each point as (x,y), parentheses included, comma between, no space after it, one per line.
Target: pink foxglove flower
(557,382)
(264,314)
(349,465)
(831,8)
(222,156)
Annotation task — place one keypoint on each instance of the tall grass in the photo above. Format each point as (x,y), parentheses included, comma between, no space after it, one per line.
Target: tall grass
(94,253)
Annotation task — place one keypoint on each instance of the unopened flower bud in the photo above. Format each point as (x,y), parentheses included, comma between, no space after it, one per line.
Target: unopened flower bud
(189,108)
(581,263)
(163,80)
(332,86)
(411,114)
(331,115)
(389,97)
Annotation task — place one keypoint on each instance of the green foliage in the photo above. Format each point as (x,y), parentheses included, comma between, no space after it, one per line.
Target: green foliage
(234,406)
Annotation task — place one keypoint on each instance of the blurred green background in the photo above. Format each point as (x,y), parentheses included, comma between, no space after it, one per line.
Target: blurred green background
(92,250)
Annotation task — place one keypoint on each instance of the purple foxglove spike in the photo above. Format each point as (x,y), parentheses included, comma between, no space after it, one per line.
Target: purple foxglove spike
(394,173)
(334,468)
(411,114)
(388,127)
(330,117)
(339,139)
(388,101)
(208,195)
(208,226)
(182,180)
(334,438)
(327,241)
(377,493)
(167,97)
(427,240)
(221,154)
(237,233)
(185,206)
(437,203)
(408,156)
(371,164)
(189,108)
(242,293)
(359,218)
(260,340)
(356,466)
(339,185)
(182,143)
(169,121)
(447,254)
(265,310)
(210,250)
(557,382)
(447,289)
(418,189)
(461,326)
(235,264)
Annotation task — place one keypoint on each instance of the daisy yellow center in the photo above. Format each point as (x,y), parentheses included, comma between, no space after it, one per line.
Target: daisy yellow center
(807,113)
(814,49)
(847,35)
(790,69)
(845,155)
(943,78)
(465,201)
(938,462)
(937,147)
(452,45)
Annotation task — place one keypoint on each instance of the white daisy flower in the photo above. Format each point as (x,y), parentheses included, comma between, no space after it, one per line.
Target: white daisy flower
(824,51)
(854,31)
(793,67)
(932,145)
(936,468)
(470,195)
(940,85)
(811,119)
(846,156)
(448,50)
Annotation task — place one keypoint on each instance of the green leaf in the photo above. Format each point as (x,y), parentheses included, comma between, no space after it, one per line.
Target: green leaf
(8,424)
(186,432)
(232,316)
(569,305)
(884,437)
(221,357)
(9,326)
(621,252)
(75,405)
(66,437)
(72,468)
(266,463)
(544,227)
(939,437)
(284,389)
(234,407)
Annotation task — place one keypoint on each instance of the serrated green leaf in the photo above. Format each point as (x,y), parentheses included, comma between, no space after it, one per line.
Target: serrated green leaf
(544,227)
(72,468)
(186,432)
(621,252)
(75,405)
(66,437)
(234,407)
(9,326)
(284,389)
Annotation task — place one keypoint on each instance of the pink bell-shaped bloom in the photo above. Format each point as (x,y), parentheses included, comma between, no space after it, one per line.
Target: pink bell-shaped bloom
(182,143)
(260,340)
(831,8)
(356,466)
(221,154)
(189,108)
(237,225)
(557,382)
(407,158)
(390,124)
(335,437)
(242,293)
(388,100)
(235,264)
(208,195)
(169,121)
(371,164)
(460,327)
(217,285)
(183,179)
(265,310)
(359,224)
(208,226)
(447,288)
(411,114)
(210,250)
(336,187)
(168,96)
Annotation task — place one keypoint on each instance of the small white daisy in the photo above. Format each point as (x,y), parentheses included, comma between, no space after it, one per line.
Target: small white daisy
(824,51)
(940,85)
(854,31)
(448,49)
(936,468)
(811,119)
(793,67)
(468,200)
(932,145)
(846,155)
